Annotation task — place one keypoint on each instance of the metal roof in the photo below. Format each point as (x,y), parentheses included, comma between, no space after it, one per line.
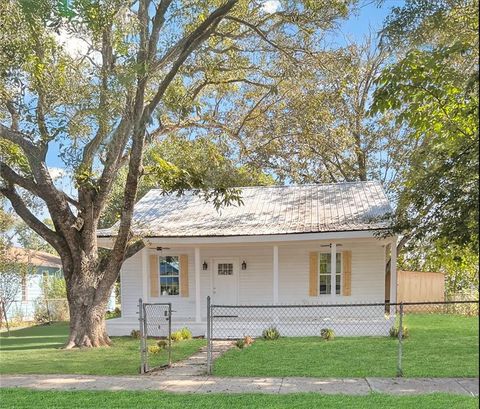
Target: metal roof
(266,210)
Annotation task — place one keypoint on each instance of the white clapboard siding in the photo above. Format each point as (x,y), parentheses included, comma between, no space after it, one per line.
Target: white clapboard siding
(368,277)
(131,285)
(255,284)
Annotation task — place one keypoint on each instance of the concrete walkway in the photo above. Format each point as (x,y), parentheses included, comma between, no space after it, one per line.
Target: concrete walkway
(196,364)
(205,384)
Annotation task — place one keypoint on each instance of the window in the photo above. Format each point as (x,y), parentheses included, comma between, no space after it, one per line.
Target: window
(169,275)
(225,269)
(325,271)
(24,288)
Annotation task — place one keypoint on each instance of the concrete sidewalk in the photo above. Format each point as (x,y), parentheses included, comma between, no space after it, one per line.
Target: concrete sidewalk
(204,384)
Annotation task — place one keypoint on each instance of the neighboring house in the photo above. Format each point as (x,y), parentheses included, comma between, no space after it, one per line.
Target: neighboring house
(39,267)
(276,248)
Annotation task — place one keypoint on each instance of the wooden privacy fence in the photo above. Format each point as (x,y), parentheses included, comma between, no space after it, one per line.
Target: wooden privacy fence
(416,286)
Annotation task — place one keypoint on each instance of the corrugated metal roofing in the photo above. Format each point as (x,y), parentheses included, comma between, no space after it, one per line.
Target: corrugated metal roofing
(266,210)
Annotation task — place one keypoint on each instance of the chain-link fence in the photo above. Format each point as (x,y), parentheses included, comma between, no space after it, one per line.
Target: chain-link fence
(38,311)
(155,335)
(391,335)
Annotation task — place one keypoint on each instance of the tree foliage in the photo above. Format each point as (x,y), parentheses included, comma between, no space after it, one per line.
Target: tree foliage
(97,82)
(173,164)
(313,124)
(434,92)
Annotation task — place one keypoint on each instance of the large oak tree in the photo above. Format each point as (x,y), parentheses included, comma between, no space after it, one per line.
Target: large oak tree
(98,80)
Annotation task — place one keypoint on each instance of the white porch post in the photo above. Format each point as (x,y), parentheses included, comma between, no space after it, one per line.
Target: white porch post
(333,268)
(393,271)
(275,274)
(145,271)
(198,314)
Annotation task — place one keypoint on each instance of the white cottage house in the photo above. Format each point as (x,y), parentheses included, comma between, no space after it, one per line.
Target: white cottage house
(276,248)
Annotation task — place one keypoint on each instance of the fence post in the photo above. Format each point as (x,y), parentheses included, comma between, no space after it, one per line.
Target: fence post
(169,334)
(142,346)
(400,344)
(145,337)
(209,339)
(4,312)
(48,311)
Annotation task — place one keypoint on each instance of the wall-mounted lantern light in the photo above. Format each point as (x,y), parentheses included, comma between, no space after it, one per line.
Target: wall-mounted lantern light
(205,265)
(244,265)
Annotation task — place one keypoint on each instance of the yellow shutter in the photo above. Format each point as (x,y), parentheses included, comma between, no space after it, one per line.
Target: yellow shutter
(347,272)
(154,279)
(184,275)
(313,290)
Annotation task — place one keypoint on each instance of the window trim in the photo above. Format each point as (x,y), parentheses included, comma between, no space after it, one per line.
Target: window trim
(160,295)
(339,254)
(24,286)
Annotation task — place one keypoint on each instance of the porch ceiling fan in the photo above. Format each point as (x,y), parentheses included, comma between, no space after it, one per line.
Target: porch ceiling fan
(162,248)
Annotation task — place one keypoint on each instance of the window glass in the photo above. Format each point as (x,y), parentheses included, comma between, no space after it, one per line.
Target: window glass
(325,273)
(169,275)
(225,269)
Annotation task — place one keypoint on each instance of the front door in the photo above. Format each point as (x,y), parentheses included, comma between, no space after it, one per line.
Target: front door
(225,273)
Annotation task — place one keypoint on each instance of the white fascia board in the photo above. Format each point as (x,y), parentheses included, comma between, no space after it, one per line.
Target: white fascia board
(274,238)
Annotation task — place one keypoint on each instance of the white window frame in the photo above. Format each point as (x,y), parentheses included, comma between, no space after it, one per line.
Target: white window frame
(339,257)
(160,276)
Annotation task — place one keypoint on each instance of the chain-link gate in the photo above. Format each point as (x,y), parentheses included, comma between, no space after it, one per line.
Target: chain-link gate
(155,323)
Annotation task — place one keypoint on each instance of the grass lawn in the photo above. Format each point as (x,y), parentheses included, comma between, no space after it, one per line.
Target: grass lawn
(438,346)
(24,398)
(36,350)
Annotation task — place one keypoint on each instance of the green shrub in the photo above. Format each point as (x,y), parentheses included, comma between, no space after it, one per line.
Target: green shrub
(186,333)
(270,334)
(327,334)
(135,334)
(154,349)
(176,336)
(162,343)
(240,343)
(113,314)
(395,330)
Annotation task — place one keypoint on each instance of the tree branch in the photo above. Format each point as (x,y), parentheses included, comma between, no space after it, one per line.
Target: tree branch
(193,41)
(260,33)
(13,114)
(157,24)
(20,139)
(185,48)
(33,222)
(13,177)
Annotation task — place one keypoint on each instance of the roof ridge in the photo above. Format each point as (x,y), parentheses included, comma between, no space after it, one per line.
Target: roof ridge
(352,182)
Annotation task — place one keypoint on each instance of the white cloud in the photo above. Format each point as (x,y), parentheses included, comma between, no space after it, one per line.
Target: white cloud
(57,173)
(271,6)
(77,47)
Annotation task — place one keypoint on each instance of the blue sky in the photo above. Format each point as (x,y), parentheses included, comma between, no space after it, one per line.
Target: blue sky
(370,16)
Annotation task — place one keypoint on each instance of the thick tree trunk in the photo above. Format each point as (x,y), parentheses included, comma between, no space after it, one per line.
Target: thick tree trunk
(87,301)
(87,321)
